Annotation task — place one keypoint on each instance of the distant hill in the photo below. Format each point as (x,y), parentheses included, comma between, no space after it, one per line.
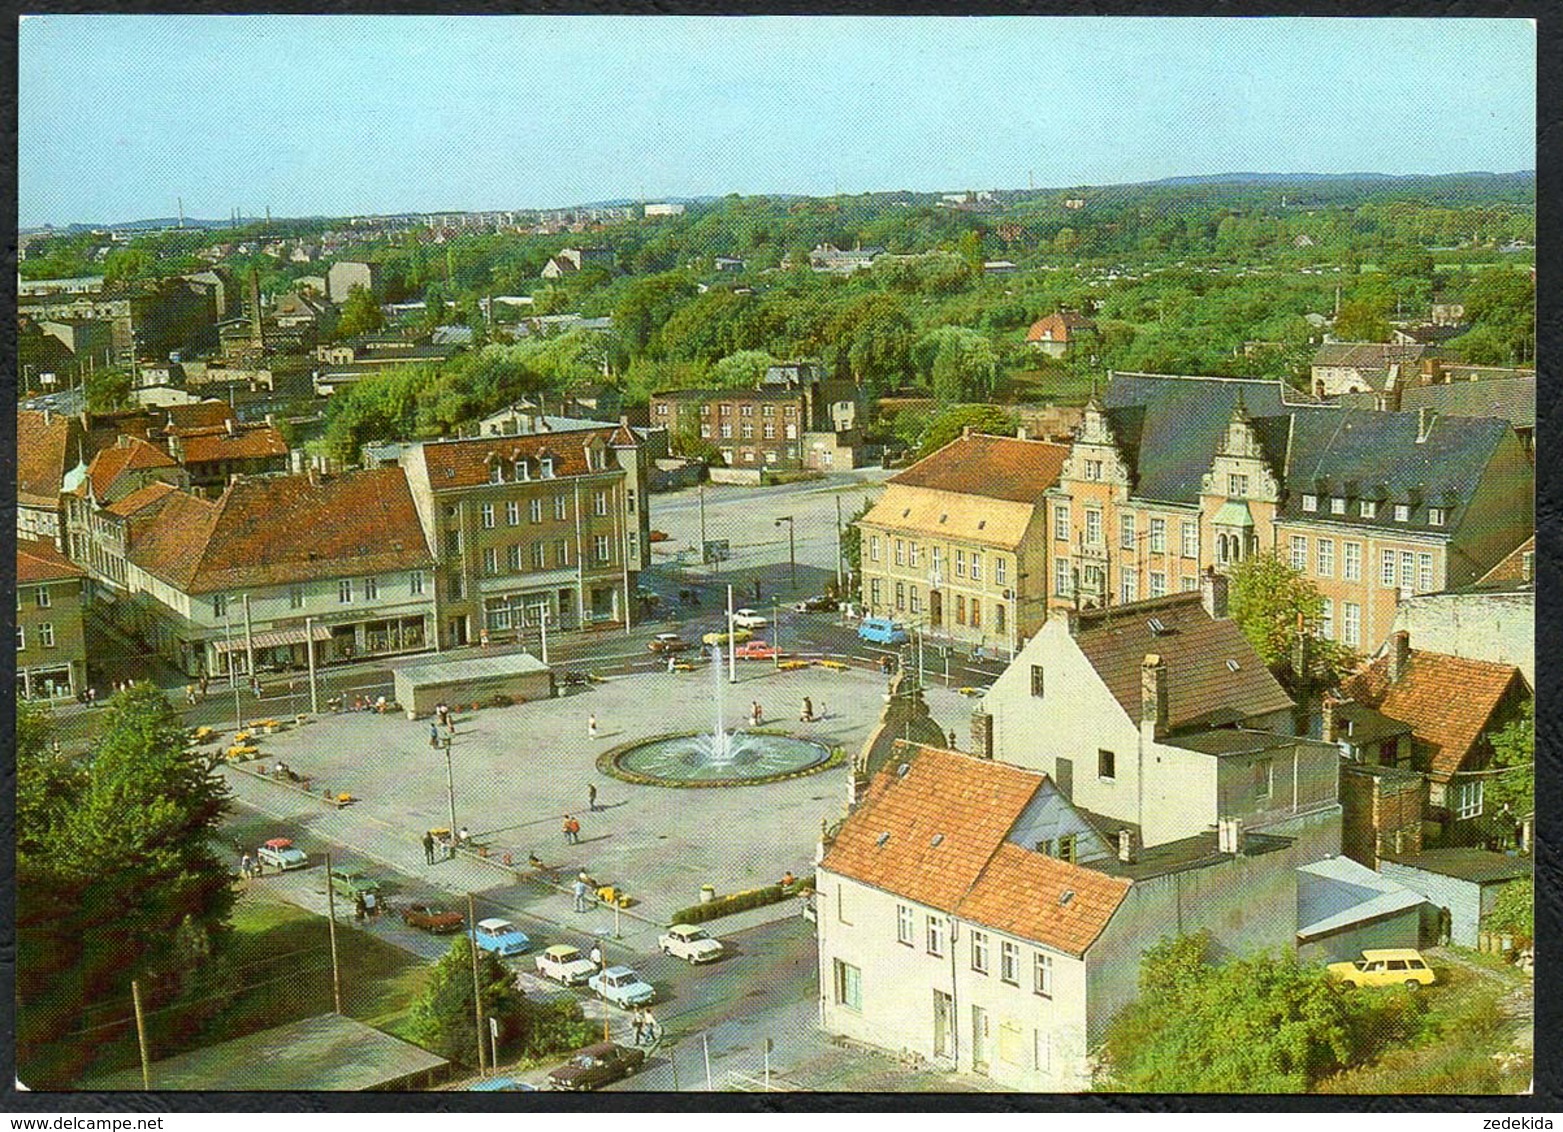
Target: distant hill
(1307,178)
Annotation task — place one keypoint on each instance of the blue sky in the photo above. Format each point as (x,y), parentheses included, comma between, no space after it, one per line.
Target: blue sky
(333,115)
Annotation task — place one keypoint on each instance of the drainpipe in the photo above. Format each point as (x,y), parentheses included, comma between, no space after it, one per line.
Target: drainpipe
(621,523)
(955,1007)
(580,561)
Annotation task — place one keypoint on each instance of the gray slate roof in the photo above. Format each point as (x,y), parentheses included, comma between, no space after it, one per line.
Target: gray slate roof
(1512,399)
(1479,866)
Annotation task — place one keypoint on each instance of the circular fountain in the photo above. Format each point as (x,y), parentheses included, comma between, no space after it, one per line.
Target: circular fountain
(720,757)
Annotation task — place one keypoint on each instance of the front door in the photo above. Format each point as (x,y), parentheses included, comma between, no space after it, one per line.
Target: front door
(458,631)
(943,1023)
(979,1039)
(935,608)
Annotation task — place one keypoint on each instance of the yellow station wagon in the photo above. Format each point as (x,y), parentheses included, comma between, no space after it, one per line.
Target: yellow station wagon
(1386,967)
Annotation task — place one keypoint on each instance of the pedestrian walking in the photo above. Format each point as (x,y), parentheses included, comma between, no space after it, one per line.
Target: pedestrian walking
(591,796)
(579,890)
(358,906)
(255,686)
(428,848)
(651,1026)
(672,666)
(442,713)
(379,705)
(597,958)
(807,715)
(755,714)
(640,1023)
(246,866)
(591,727)
(572,830)
(190,694)
(204,681)
(434,736)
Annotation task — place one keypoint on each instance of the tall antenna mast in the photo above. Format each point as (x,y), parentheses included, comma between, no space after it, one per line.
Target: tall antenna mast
(181,211)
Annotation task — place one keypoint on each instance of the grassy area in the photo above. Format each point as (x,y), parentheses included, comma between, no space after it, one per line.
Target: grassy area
(1466,1043)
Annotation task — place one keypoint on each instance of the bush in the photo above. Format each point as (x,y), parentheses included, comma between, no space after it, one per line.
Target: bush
(740,902)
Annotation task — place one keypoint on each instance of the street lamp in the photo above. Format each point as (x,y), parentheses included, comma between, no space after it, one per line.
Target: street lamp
(450,789)
(792,551)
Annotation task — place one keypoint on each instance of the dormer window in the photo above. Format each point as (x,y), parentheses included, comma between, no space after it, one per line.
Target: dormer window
(496,473)
(548,467)
(1337,505)
(1237,486)
(1368,509)
(1402,513)
(1435,516)
(523,471)
(1310,503)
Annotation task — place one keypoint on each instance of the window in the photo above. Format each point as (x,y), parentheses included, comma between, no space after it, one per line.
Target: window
(998,617)
(770,429)
(295,597)
(935,935)
(457,588)
(344,591)
(1424,573)
(1468,799)
(452,543)
(46,635)
(1351,623)
(562,552)
(1337,505)
(727,430)
(1190,539)
(1310,502)
(1264,777)
(768,410)
(537,556)
(1093,527)
(976,566)
(21,638)
(1158,536)
(1036,681)
(979,952)
(873,548)
(1158,583)
(1062,578)
(415,583)
(960,609)
(976,614)
(746,410)
(1066,847)
(900,552)
(900,596)
(792,431)
(513,513)
(725,410)
(371,589)
(705,431)
(41,597)
(547,463)
(601,547)
(1106,765)
(748,429)
(1327,620)
(487,513)
(1368,509)
(849,985)
(535,510)
(1042,975)
(490,560)
(561,509)
(1326,558)
(1351,565)
(496,473)
(1001,571)
(905,931)
(1237,486)
(1188,583)
(220,605)
(914,602)
(1009,962)
(1128,588)
(874,592)
(912,554)
(960,563)
(1407,570)
(513,557)
(600,505)
(1299,551)
(524,470)
(1091,578)
(1402,513)
(1435,516)
(1387,569)
(1061,521)
(1126,530)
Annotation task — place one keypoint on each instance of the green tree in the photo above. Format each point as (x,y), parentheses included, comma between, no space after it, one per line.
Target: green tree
(1273,603)
(1362,320)
(949,422)
(1511,796)
(852,549)
(961,364)
(742,370)
(872,341)
(360,314)
(443,1019)
(1514,911)
(108,389)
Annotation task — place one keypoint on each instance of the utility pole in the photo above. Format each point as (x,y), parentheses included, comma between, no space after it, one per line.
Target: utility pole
(841,584)
(450,789)
(732,645)
(776,636)
(141,1035)
(336,970)
(792,551)
(309,645)
(233,682)
(249,645)
(477,992)
(701,488)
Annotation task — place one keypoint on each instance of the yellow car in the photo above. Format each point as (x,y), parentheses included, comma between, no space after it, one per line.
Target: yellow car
(1386,967)
(739,636)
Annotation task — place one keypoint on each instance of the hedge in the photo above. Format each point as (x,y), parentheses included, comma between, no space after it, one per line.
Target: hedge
(740,902)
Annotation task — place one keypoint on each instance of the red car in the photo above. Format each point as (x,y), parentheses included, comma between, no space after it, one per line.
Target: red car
(756,650)
(657,536)
(431,918)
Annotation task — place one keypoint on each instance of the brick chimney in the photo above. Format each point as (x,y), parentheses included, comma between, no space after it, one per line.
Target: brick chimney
(982,734)
(1126,846)
(1329,728)
(1213,593)
(1153,697)
(1399,655)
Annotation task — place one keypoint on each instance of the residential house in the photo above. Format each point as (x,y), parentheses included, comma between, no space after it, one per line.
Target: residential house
(729,263)
(1464,883)
(1363,367)
(214,454)
(1169,476)
(957,544)
(1057,333)
(525,527)
(1493,619)
(305,309)
(969,915)
(568,261)
(274,566)
(843,261)
(831,404)
(1453,706)
(1512,399)
(1161,717)
(51,645)
(751,428)
(47,446)
(345,274)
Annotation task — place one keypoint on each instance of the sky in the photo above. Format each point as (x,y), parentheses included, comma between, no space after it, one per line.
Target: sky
(119,116)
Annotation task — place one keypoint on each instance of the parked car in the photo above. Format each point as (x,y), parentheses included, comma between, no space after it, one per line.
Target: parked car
(667,642)
(750,619)
(564,964)
(687,941)
(432,918)
(882,630)
(351,882)
(501,1085)
(820,603)
(756,650)
(621,986)
(280,853)
(657,536)
(1386,967)
(739,635)
(502,937)
(595,1066)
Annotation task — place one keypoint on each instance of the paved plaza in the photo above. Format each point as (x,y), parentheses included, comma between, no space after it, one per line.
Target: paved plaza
(519,770)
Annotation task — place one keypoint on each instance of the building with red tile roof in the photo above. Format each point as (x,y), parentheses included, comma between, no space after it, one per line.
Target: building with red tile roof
(128,465)
(46,450)
(1055,333)
(51,646)
(967,912)
(213,454)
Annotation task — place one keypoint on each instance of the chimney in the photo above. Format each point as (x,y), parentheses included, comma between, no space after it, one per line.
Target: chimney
(1399,655)
(1425,418)
(48,415)
(1020,433)
(1213,593)
(1229,836)
(966,432)
(228,423)
(1302,657)
(1126,846)
(1330,728)
(1153,697)
(982,734)
(1072,620)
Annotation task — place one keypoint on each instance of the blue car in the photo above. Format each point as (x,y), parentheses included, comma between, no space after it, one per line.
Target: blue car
(501,1085)
(882,631)
(502,938)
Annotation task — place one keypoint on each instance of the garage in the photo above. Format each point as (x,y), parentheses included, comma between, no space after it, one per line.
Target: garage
(1344,907)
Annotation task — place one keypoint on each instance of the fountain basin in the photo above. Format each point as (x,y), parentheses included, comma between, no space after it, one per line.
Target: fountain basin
(751,758)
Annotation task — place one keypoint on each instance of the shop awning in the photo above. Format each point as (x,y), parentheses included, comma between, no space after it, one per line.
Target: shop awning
(273,639)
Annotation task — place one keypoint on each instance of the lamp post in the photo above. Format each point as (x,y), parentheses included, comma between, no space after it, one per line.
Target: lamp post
(450,789)
(792,551)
